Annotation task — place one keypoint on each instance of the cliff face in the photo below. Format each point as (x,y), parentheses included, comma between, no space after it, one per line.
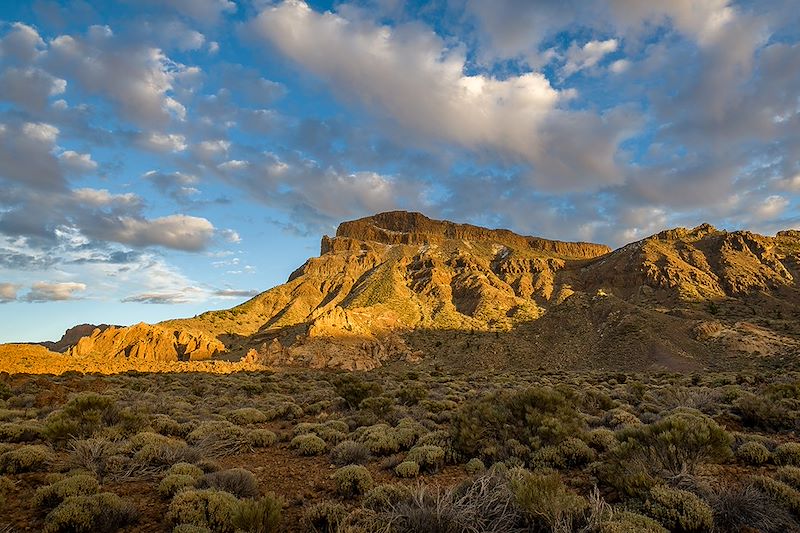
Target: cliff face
(400,287)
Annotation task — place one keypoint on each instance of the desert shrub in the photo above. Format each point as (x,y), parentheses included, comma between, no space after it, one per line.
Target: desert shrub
(246,415)
(205,508)
(259,516)
(6,486)
(534,417)
(626,521)
(157,452)
(352,480)
(350,452)
(380,439)
(81,417)
(787,454)
(429,458)
(96,513)
(545,500)
(668,449)
(190,528)
(261,438)
(20,431)
(780,492)
(601,439)
(412,392)
(5,391)
(407,469)
(569,453)
(237,481)
(619,418)
(92,455)
(173,484)
(790,475)
(165,425)
(284,411)
(219,438)
(28,458)
(474,466)
(208,465)
(752,453)
(380,406)
(761,412)
(50,496)
(185,469)
(355,390)
(308,444)
(325,517)
(679,510)
(384,497)
(743,507)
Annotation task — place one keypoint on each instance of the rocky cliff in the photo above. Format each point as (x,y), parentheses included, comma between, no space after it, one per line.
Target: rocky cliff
(400,287)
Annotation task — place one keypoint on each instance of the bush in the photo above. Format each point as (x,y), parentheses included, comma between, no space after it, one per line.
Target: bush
(626,521)
(153,451)
(219,438)
(97,513)
(544,499)
(790,475)
(81,417)
(745,507)
(308,444)
(6,486)
(325,517)
(384,497)
(752,453)
(349,452)
(407,469)
(185,469)
(173,484)
(237,481)
(28,458)
(20,432)
(92,455)
(759,412)
(246,416)
(534,417)
(679,510)
(259,516)
(570,453)
(352,480)
(190,528)
(787,454)
(50,496)
(474,466)
(355,390)
(780,492)
(380,439)
(670,448)
(205,508)
(261,438)
(429,458)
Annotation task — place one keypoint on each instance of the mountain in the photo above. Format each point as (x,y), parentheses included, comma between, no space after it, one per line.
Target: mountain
(401,287)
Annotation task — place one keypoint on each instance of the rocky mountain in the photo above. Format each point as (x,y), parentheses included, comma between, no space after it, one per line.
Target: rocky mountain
(400,287)
(71,337)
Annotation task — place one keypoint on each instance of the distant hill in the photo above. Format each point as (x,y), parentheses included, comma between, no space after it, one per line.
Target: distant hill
(401,287)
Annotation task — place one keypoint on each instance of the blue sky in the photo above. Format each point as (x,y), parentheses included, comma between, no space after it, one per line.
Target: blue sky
(161,158)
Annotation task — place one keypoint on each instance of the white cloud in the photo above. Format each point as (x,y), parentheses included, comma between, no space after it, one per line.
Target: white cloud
(45,133)
(163,142)
(771,207)
(22,44)
(8,292)
(31,88)
(102,198)
(77,162)
(619,66)
(180,232)
(48,292)
(587,56)
(205,11)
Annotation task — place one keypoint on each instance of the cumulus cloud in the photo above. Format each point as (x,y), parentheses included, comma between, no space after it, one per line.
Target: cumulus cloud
(22,44)
(31,88)
(43,291)
(179,232)
(162,142)
(8,292)
(205,11)
(587,56)
(27,155)
(77,163)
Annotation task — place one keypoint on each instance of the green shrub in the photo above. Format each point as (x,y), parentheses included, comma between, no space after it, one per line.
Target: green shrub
(28,458)
(173,484)
(349,452)
(429,458)
(380,439)
(352,480)
(308,444)
(627,522)
(544,499)
(780,492)
(219,438)
(602,439)
(93,455)
(237,481)
(669,448)
(190,528)
(570,453)
(259,516)
(20,432)
(153,450)
(384,497)
(534,417)
(407,469)
(81,417)
(50,496)
(790,475)
(760,412)
(746,507)
(325,517)
(261,438)
(355,390)
(6,486)
(411,393)
(679,510)
(787,454)
(619,418)
(752,453)
(246,416)
(474,466)
(205,508)
(185,469)
(96,513)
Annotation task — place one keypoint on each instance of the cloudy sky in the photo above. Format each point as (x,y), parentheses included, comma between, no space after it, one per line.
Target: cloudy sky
(162,157)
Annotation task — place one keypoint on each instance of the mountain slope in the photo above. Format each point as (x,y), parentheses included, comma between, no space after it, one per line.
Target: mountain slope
(399,286)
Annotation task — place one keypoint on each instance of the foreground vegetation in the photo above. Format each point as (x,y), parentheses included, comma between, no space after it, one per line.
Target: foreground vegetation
(400,452)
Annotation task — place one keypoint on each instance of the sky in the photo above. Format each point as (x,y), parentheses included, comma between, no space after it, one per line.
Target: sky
(159,158)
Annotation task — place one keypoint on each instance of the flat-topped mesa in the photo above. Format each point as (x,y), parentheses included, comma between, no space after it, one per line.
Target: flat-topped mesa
(402,227)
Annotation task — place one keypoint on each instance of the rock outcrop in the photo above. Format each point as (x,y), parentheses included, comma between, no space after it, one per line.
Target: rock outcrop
(71,337)
(148,343)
